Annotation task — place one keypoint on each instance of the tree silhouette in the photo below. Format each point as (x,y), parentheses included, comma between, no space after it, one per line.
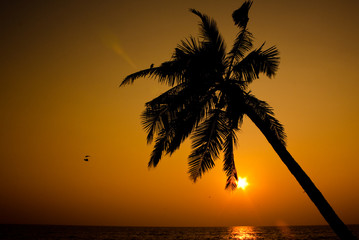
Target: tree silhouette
(208,98)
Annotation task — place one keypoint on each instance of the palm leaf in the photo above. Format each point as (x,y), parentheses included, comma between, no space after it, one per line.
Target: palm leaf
(244,39)
(174,111)
(171,96)
(266,114)
(169,73)
(159,112)
(242,44)
(188,118)
(228,161)
(171,132)
(257,62)
(210,34)
(160,146)
(240,16)
(187,48)
(153,121)
(200,64)
(207,142)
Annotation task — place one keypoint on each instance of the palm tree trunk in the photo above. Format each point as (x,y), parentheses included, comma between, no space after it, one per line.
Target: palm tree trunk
(312,191)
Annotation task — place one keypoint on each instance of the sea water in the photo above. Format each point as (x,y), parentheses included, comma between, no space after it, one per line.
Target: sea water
(55,232)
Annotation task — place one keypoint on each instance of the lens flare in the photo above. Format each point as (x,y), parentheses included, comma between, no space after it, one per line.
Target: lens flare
(111,41)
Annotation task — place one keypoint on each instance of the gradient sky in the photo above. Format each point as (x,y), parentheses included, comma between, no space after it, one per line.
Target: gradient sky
(62,61)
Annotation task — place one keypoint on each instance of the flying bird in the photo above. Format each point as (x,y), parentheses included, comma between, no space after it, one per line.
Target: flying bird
(86,158)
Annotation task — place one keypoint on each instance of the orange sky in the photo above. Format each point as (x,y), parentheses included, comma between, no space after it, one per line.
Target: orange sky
(62,61)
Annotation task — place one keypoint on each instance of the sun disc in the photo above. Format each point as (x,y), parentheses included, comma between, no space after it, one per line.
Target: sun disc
(242,183)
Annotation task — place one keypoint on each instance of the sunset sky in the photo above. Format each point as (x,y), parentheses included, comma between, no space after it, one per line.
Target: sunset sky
(61,63)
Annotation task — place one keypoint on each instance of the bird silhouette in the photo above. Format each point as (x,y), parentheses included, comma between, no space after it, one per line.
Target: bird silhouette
(86,158)
(152,65)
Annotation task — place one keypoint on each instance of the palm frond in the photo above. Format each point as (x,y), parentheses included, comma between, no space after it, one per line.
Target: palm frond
(168,72)
(265,113)
(207,142)
(257,62)
(210,34)
(151,121)
(171,128)
(240,16)
(199,63)
(159,148)
(174,111)
(228,161)
(173,96)
(188,47)
(160,110)
(132,77)
(242,44)
(188,119)
(244,39)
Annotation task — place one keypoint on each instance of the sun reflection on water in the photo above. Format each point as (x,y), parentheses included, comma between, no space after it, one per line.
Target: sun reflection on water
(243,232)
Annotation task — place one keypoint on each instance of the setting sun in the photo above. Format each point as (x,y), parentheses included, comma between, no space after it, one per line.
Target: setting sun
(242,183)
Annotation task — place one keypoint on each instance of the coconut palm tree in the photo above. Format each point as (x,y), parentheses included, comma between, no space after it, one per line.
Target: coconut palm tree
(209,96)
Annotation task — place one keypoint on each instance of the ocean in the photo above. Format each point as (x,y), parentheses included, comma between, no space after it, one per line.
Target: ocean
(56,232)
